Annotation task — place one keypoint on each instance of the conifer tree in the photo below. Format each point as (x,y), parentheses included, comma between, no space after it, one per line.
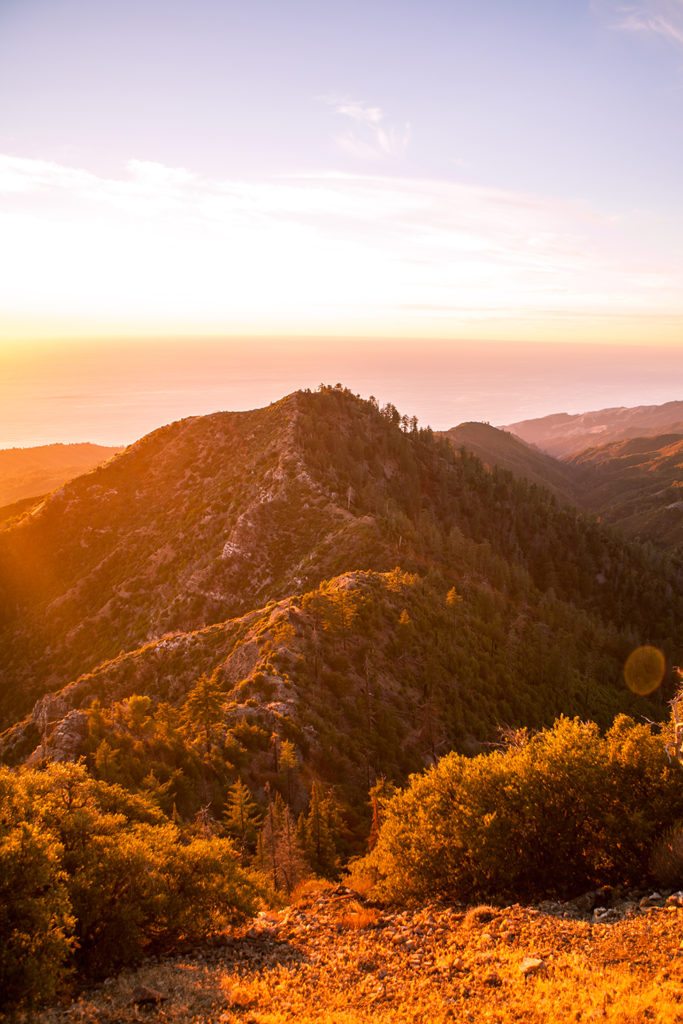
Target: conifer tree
(318,829)
(202,711)
(241,817)
(288,764)
(106,762)
(278,850)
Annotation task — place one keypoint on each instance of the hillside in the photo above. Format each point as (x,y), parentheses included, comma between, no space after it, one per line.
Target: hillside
(259,550)
(29,472)
(634,485)
(564,435)
(332,957)
(507,451)
(17,509)
(637,484)
(370,675)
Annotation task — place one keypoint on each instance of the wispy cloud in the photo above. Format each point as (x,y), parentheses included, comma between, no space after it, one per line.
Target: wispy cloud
(656,17)
(165,249)
(372,137)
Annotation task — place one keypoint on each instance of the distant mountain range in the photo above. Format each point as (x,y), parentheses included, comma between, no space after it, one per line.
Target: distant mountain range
(635,484)
(341,579)
(563,435)
(33,472)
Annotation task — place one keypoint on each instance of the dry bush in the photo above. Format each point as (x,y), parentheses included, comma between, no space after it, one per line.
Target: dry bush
(241,995)
(666,863)
(360,878)
(310,889)
(481,914)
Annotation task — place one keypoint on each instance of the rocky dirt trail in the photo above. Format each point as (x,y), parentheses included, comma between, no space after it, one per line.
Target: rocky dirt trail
(332,957)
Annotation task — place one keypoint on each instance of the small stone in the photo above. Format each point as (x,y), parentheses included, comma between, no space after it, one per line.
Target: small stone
(493,981)
(601,915)
(530,965)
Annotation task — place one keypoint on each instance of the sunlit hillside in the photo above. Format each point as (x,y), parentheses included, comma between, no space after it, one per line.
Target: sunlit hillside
(227,652)
(31,472)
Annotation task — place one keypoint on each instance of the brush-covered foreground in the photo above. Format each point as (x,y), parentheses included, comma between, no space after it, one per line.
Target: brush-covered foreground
(333,958)
(93,878)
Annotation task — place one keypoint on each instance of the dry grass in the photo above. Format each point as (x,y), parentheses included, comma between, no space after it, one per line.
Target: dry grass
(358,916)
(429,966)
(481,914)
(310,889)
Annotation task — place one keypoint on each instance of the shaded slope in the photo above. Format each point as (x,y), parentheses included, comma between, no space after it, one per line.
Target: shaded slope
(500,448)
(564,435)
(638,485)
(369,675)
(26,472)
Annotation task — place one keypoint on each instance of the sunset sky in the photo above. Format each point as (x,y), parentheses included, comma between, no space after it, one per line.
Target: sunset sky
(500,170)
(402,196)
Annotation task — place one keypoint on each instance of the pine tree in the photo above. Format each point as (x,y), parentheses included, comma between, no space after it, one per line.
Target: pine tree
(318,829)
(278,850)
(241,817)
(288,765)
(106,762)
(404,618)
(202,711)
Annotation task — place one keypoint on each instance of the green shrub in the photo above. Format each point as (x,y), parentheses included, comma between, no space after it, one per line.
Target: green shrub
(565,811)
(93,877)
(35,923)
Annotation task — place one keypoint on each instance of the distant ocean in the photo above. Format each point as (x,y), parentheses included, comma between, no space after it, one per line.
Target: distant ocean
(114,392)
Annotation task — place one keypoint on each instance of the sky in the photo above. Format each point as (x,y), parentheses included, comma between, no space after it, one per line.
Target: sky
(506,171)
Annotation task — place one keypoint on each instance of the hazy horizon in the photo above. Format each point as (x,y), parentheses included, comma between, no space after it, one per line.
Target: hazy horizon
(431,204)
(114,392)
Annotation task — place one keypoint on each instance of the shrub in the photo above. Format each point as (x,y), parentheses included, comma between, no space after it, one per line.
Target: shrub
(666,862)
(565,811)
(35,923)
(80,856)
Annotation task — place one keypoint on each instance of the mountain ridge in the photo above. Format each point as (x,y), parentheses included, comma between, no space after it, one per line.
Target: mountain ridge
(403,600)
(30,472)
(565,435)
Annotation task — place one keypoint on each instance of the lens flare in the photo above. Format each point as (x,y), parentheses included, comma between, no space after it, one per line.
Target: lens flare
(644,669)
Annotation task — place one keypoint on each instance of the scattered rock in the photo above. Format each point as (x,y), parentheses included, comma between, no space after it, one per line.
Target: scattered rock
(603,915)
(531,965)
(583,905)
(655,899)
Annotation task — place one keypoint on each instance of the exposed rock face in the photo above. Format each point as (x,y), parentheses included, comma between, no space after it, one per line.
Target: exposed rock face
(48,710)
(64,743)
